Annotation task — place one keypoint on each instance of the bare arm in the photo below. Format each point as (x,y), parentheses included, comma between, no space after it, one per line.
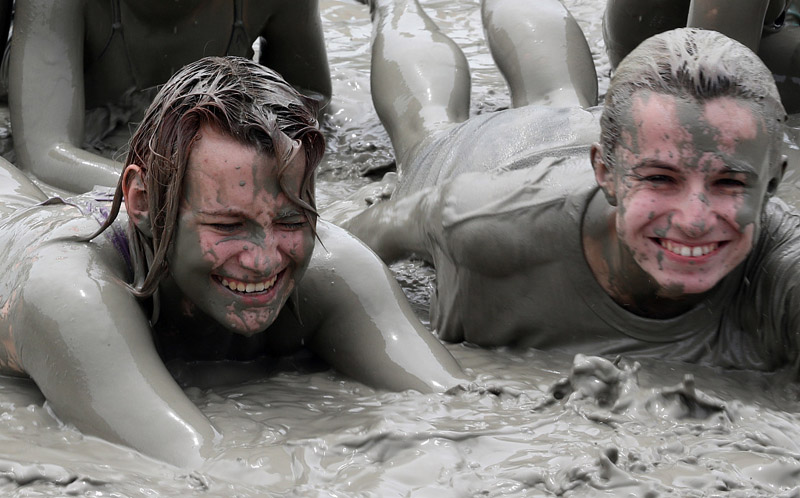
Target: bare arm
(87,345)
(367,329)
(742,20)
(46,96)
(396,228)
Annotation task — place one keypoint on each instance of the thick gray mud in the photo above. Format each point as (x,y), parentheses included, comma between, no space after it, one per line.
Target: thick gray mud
(562,425)
(579,426)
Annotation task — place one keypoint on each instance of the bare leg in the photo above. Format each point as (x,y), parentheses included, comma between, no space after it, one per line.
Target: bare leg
(294,45)
(781,53)
(541,51)
(420,78)
(626,23)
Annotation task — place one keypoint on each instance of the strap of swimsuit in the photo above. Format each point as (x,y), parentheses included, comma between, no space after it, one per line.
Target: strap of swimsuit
(239,43)
(116,27)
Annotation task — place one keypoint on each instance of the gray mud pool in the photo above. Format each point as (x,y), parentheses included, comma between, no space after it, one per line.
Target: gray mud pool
(563,427)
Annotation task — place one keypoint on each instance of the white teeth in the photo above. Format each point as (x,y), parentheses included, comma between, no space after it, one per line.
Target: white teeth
(249,286)
(694,251)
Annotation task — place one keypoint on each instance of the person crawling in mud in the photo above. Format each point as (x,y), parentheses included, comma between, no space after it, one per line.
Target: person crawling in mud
(81,72)
(771,28)
(206,251)
(664,239)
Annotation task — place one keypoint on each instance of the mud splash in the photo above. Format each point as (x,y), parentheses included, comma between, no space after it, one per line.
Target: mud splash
(563,426)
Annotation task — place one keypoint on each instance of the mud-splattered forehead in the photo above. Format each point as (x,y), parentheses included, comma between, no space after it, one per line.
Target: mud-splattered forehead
(691,63)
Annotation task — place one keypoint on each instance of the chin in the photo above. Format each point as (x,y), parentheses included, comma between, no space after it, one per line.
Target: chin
(248,323)
(676,288)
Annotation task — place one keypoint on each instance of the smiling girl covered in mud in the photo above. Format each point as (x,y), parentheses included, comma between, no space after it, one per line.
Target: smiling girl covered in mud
(664,239)
(207,252)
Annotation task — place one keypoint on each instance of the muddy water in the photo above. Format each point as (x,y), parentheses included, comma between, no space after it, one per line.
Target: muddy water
(564,426)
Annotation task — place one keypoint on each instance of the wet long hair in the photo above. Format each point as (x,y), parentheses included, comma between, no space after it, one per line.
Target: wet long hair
(690,62)
(244,100)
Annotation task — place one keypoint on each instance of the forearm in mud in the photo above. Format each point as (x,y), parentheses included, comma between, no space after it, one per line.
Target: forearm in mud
(398,228)
(367,328)
(71,168)
(46,97)
(102,372)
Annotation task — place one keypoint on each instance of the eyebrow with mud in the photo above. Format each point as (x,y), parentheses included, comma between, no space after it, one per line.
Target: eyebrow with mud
(739,168)
(655,163)
(231,212)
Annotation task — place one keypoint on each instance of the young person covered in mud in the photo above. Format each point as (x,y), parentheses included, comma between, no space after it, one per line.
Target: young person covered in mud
(770,28)
(212,256)
(664,239)
(82,71)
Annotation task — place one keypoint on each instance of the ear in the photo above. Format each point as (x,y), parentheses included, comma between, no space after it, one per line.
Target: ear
(135,194)
(603,174)
(772,187)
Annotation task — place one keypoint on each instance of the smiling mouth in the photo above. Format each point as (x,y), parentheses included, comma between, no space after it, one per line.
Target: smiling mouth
(248,287)
(689,251)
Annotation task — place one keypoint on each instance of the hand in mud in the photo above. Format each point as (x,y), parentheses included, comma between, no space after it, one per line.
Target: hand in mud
(341,212)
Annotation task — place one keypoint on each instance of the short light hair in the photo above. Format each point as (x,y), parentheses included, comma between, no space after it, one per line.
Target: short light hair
(691,62)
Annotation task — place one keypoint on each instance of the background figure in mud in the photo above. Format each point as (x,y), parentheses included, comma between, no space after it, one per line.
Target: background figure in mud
(212,257)
(769,27)
(663,239)
(82,71)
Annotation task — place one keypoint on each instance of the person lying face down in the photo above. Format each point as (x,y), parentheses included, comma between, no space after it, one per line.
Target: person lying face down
(670,245)
(207,252)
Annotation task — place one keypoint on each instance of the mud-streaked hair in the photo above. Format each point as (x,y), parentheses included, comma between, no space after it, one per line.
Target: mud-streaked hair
(690,62)
(242,99)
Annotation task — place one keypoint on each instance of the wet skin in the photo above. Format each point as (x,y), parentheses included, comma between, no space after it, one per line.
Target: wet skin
(690,181)
(241,244)
(70,323)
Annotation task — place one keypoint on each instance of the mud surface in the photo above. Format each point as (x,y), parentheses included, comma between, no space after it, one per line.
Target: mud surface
(574,426)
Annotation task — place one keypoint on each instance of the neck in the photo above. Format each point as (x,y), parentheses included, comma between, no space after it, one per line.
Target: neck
(617,272)
(185,331)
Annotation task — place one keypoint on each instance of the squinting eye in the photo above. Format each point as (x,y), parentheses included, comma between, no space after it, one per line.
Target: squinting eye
(658,179)
(292,225)
(731,182)
(225,227)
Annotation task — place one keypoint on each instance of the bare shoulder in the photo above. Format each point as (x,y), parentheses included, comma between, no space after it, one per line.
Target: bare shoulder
(46,275)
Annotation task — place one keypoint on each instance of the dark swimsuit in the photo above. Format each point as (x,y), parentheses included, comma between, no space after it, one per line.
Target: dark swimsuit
(105,127)
(238,44)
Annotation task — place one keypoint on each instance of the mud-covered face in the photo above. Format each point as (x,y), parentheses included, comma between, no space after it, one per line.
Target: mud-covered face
(241,245)
(690,181)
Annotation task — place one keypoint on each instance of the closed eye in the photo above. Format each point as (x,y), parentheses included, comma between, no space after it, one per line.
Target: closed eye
(293,225)
(225,227)
(658,179)
(731,182)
